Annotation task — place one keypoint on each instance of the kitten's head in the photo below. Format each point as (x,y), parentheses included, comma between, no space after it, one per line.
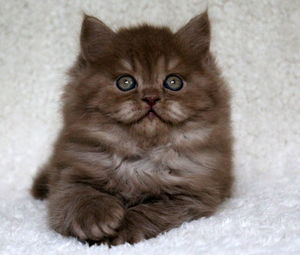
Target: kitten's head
(146,78)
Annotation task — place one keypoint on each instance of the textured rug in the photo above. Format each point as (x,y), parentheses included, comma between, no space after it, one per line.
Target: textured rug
(257,45)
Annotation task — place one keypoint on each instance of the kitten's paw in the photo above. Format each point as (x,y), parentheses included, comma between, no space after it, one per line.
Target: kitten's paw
(39,189)
(126,236)
(93,219)
(132,229)
(97,220)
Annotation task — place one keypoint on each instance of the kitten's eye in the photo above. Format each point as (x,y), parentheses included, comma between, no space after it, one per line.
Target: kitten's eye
(173,82)
(126,82)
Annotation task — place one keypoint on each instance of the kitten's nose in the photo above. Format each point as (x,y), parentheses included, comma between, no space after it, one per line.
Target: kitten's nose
(151,100)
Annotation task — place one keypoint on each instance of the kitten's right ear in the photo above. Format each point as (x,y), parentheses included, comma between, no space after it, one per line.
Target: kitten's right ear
(196,34)
(95,37)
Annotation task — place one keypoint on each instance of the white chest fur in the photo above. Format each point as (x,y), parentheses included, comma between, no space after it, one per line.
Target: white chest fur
(161,165)
(144,169)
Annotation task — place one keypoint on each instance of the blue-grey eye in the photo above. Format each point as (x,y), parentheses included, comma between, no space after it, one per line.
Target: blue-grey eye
(173,82)
(126,82)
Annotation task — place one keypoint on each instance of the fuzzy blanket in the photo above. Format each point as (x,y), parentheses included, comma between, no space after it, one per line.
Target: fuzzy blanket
(257,45)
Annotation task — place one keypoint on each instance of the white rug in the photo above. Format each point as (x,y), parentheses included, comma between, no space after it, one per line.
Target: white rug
(257,44)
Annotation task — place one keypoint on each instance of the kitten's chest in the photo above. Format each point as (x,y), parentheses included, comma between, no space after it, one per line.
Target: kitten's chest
(148,173)
(155,172)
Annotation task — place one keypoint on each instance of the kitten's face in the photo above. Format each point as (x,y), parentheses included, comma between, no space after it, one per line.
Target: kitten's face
(146,78)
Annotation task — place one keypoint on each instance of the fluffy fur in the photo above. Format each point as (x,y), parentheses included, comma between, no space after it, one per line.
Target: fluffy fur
(116,175)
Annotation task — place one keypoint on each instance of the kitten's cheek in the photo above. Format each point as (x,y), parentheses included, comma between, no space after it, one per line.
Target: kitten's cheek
(128,113)
(175,113)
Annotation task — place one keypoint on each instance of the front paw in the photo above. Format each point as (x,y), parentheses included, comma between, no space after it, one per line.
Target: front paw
(127,236)
(134,228)
(93,218)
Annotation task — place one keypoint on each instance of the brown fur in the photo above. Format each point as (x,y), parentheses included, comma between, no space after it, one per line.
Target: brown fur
(116,175)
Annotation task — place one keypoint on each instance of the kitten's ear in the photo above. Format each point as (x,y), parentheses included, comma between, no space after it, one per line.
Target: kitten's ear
(196,34)
(95,37)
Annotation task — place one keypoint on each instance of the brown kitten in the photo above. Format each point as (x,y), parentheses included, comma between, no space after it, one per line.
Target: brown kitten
(146,142)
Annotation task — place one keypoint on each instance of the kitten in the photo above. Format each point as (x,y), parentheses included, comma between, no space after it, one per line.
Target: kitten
(146,142)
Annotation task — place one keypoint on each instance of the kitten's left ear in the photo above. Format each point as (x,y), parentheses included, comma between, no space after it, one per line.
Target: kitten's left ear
(95,38)
(196,34)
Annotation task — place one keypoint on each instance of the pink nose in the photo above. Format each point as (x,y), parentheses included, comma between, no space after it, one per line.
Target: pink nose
(151,100)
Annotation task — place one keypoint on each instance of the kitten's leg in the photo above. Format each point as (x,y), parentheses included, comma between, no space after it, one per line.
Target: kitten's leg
(145,221)
(39,189)
(81,211)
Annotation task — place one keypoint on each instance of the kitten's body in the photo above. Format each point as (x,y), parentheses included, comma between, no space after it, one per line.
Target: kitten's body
(118,174)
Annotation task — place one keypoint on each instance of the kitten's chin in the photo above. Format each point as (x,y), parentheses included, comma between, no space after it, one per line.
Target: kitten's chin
(150,126)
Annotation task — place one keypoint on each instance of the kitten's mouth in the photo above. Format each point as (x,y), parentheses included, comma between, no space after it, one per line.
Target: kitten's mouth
(151,114)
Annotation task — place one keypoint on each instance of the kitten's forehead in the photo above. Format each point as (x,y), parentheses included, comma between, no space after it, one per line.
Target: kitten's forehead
(147,50)
(162,64)
(126,65)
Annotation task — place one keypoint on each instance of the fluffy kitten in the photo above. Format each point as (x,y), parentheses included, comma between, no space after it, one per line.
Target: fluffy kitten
(146,141)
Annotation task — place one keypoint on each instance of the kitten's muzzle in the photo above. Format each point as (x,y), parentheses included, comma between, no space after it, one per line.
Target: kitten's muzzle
(151,100)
